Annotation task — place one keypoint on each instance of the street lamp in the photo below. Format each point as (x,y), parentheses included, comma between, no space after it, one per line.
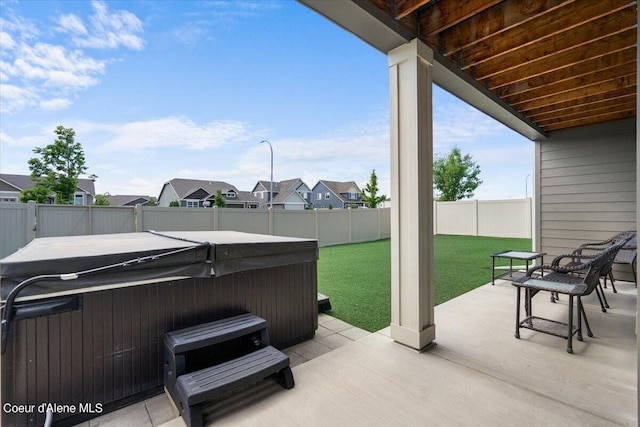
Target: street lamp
(270,182)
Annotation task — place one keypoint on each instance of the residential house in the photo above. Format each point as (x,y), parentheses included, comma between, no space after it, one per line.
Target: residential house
(340,195)
(129,200)
(291,194)
(196,193)
(12,185)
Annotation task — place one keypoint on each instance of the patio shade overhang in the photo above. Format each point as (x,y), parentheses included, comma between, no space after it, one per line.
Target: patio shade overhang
(536,66)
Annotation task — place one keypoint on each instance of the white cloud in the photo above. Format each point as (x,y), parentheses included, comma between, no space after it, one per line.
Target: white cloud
(72,24)
(457,124)
(55,104)
(175,132)
(36,73)
(14,98)
(212,16)
(107,30)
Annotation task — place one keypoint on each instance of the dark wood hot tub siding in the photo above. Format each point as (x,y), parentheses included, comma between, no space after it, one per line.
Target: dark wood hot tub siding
(110,352)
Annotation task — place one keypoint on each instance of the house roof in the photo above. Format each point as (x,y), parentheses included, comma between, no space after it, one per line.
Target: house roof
(283,197)
(246,197)
(338,188)
(127,200)
(265,186)
(536,66)
(24,182)
(183,187)
(282,190)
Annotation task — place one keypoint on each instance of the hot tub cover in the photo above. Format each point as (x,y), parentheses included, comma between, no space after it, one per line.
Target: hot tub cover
(190,254)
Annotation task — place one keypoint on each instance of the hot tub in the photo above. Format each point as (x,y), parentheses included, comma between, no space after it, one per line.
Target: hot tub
(89,343)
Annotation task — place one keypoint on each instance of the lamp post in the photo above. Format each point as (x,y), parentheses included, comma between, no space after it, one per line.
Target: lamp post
(271,181)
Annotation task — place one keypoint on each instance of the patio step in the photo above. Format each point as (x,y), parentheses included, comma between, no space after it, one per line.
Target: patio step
(192,346)
(324,304)
(211,383)
(205,361)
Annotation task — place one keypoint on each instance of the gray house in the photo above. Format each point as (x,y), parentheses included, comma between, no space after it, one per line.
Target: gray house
(195,193)
(337,194)
(291,194)
(12,185)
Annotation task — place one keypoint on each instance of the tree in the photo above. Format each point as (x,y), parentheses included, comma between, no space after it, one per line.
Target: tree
(174,204)
(370,191)
(218,200)
(39,193)
(101,200)
(59,166)
(455,176)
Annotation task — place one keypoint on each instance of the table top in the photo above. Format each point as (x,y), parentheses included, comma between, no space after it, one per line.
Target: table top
(518,255)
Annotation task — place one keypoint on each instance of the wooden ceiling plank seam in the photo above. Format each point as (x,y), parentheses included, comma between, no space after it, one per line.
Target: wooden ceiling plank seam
(617,108)
(529,86)
(594,88)
(611,44)
(445,14)
(603,27)
(542,116)
(495,21)
(592,120)
(402,8)
(602,62)
(598,88)
(541,29)
(623,39)
(585,80)
(589,100)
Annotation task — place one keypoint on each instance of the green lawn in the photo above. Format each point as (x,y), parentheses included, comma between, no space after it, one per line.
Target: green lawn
(357,277)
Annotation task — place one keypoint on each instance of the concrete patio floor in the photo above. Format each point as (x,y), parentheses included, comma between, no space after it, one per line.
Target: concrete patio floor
(476,374)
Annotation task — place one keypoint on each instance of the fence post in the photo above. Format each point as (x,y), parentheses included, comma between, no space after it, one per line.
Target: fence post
(138,223)
(378,218)
(315,224)
(216,218)
(271,221)
(90,213)
(349,226)
(435,217)
(475,208)
(31,222)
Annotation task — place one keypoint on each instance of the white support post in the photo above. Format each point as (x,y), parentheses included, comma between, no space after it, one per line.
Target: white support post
(412,302)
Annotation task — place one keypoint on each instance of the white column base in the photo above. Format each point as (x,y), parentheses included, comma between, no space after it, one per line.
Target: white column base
(412,338)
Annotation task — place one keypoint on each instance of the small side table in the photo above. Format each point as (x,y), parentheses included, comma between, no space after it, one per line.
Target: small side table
(511,255)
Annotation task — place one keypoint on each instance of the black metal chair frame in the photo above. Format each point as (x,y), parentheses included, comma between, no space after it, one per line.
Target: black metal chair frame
(592,249)
(576,279)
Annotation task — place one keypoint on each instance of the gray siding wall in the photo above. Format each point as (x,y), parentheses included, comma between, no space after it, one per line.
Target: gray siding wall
(586,181)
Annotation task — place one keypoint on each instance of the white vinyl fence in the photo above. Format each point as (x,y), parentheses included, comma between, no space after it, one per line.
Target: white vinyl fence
(490,218)
(21,222)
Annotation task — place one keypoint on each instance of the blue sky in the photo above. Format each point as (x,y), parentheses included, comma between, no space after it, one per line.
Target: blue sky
(162,89)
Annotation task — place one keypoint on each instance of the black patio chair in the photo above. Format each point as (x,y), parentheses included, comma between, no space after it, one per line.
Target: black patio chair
(626,257)
(577,277)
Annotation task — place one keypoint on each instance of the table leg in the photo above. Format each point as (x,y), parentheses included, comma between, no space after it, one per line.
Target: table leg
(493,270)
(518,312)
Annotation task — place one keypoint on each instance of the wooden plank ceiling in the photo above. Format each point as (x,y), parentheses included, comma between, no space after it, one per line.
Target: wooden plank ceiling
(561,63)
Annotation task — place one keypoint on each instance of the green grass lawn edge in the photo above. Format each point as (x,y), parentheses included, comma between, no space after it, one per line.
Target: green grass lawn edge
(357,277)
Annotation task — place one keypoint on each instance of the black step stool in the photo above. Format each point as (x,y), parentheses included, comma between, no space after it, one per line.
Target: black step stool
(206,361)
